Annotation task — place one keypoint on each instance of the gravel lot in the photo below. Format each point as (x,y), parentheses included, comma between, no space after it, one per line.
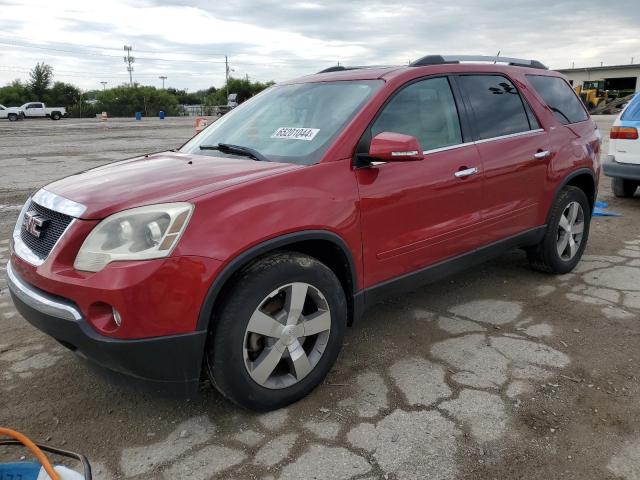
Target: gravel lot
(499,372)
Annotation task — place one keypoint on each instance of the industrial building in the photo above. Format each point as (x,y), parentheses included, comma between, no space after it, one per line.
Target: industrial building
(615,77)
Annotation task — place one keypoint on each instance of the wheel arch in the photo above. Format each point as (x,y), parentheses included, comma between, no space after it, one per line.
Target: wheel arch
(325,246)
(584,179)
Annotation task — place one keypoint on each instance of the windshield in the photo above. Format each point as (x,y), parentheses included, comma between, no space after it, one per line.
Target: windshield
(633,110)
(287,123)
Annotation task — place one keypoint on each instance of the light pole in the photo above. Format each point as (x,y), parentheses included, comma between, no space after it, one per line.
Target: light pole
(104,85)
(163,78)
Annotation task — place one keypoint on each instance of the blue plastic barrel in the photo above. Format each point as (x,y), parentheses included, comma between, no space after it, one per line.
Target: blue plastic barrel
(161,114)
(138,115)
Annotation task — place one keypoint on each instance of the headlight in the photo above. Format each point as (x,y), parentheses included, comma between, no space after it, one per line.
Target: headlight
(18,226)
(138,234)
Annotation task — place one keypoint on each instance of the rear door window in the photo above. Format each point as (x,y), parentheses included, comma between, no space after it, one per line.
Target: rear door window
(425,110)
(496,105)
(560,98)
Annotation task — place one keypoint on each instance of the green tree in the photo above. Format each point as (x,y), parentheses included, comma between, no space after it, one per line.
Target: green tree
(185,98)
(125,101)
(14,94)
(62,95)
(40,79)
(243,87)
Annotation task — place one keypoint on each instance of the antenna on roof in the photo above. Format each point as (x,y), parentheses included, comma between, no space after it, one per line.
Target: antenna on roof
(497,55)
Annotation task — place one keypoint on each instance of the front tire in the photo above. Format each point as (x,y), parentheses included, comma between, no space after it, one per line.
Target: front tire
(623,188)
(278,331)
(566,236)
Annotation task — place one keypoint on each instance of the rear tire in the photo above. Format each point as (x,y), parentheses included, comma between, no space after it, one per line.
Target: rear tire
(55,116)
(262,353)
(623,188)
(13,117)
(566,236)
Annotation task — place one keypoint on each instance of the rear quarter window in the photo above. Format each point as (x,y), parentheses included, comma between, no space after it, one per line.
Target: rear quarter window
(560,98)
(632,113)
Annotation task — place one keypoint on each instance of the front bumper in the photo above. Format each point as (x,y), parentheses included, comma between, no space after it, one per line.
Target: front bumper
(174,359)
(628,171)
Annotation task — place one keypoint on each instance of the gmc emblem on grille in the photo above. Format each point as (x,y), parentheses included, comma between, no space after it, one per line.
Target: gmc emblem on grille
(34,224)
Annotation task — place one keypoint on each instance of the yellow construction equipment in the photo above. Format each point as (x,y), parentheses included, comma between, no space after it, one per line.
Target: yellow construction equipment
(592,93)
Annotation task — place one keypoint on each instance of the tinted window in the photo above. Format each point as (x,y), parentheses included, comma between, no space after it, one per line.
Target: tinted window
(633,110)
(560,98)
(425,110)
(496,105)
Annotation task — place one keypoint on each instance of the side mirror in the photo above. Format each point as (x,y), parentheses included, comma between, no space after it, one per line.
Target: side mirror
(395,147)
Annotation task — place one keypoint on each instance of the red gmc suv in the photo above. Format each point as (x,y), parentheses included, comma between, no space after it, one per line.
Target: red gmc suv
(247,252)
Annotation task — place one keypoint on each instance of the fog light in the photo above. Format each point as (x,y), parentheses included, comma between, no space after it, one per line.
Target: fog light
(116,317)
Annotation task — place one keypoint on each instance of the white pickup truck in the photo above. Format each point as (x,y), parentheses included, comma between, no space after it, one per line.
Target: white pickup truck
(11,113)
(40,110)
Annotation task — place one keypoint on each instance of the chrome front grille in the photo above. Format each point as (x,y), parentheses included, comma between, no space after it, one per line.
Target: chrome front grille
(56,224)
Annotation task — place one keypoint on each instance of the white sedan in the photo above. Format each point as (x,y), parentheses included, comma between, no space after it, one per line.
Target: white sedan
(623,161)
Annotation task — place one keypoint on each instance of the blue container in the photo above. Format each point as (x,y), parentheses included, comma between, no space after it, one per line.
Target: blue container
(19,471)
(161,114)
(138,115)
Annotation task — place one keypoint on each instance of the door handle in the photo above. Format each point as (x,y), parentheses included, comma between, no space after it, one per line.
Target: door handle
(466,172)
(542,154)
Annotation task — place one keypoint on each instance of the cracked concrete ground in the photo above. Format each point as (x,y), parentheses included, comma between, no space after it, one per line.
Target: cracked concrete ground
(498,372)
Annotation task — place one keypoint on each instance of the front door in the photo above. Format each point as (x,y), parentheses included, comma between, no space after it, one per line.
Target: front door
(414,214)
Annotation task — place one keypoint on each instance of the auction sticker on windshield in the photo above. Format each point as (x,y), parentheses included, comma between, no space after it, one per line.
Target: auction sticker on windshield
(296,133)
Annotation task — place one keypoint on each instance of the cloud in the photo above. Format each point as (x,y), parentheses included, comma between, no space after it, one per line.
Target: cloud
(266,39)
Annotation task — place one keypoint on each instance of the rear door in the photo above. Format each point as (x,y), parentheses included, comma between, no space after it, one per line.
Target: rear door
(515,154)
(35,110)
(414,214)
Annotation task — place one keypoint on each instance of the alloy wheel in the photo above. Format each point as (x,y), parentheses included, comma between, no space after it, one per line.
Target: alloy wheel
(570,231)
(286,335)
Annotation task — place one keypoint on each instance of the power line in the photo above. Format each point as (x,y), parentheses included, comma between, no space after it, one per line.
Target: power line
(271,62)
(75,73)
(98,47)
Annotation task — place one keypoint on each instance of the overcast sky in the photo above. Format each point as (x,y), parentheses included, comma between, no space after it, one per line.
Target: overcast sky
(186,40)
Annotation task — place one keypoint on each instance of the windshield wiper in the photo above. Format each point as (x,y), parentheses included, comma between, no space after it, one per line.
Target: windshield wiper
(236,150)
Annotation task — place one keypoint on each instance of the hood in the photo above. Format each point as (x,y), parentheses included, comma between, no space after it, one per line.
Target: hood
(158,178)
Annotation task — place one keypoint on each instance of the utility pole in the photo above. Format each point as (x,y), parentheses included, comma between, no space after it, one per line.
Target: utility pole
(129,60)
(163,78)
(104,85)
(226,75)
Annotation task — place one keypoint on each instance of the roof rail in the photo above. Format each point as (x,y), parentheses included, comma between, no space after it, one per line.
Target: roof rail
(340,68)
(443,59)
(336,68)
